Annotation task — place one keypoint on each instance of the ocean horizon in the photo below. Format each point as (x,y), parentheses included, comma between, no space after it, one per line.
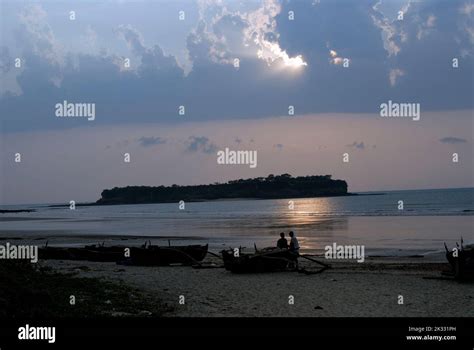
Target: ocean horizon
(374,192)
(420,224)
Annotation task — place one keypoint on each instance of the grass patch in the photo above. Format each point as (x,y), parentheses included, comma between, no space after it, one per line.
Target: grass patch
(31,292)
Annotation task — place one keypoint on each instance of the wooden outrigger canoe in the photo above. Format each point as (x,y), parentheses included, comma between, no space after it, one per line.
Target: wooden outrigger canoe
(88,253)
(265,260)
(461,260)
(55,253)
(146,255)
(163,256)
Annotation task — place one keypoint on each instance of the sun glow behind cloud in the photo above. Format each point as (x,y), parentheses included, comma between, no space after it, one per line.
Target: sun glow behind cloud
(272,52)
(262,25)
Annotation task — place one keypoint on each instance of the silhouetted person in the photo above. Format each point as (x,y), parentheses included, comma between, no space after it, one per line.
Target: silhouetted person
(282,242)
(295,249)
(294,245)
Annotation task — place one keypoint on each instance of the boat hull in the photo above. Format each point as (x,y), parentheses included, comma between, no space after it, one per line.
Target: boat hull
(462,263)
(163,256)
(143,256)
(268,260)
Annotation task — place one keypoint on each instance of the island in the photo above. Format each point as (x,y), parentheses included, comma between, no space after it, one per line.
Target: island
(270,187)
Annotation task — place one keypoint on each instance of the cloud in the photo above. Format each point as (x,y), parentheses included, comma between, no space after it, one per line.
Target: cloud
(218,35)
(203,45)
(262,31)
(155,86)
(467,23)
(147,141)
(200,144)
(153,59)
(335,59)
(133,38)
(394,75)
(426,27)
(357,145)
(278,146)
(36,34)
(430,22)
(391,28)
(467,8)
(89,38)
(5,60)
(452,140)
(215,36)
(36,37)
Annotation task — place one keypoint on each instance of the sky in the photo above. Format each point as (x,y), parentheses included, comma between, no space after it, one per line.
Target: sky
(237,68)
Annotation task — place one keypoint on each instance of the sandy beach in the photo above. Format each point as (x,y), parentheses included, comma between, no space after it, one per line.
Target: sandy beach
(348,289)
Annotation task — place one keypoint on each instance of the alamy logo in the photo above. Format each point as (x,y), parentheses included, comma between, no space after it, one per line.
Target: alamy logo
(73,110)
(345,252)
(400,110)
(237,157)
(21,252)
(37,333)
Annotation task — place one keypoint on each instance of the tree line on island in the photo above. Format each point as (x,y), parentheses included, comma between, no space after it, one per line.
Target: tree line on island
(270,187)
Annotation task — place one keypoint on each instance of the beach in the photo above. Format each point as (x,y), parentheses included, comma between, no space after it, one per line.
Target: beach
(348,289)
(404,253)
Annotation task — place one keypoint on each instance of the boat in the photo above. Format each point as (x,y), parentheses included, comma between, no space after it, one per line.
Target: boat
(89,253)
(55,253)
(461,260)
(146,255)
(264,260)
(102,253)
(152,255)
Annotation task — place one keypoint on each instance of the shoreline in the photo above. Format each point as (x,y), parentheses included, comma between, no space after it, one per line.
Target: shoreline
(69,239)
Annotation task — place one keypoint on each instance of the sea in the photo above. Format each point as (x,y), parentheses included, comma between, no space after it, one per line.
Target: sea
(393,223)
